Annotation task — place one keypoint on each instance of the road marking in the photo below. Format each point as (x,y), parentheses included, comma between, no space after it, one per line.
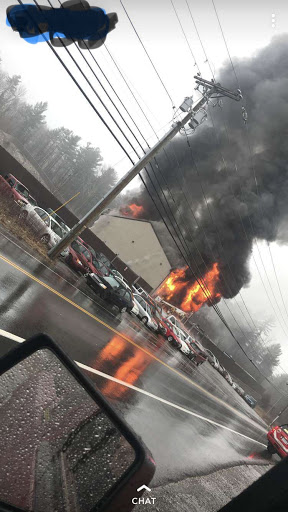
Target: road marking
(142,391)
(131,324)
(187,379)
(56,273)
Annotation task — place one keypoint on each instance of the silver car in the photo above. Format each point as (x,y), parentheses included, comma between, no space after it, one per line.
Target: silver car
(145,313)
(45,227)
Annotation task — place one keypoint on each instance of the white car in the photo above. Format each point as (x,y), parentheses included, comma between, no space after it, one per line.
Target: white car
(117,274)
(184,347)
(213,359)
(139,291)
(145,313)
(121,279)
(135,309)
(47,228)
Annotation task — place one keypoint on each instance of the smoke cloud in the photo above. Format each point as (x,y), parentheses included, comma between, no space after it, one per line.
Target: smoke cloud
(247,197)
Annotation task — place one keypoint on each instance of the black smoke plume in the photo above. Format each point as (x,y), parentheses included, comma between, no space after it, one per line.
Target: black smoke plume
(242,169)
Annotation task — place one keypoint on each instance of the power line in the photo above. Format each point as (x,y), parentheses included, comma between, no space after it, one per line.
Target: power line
(75,81)
(184,34)
(174,228)
(205,195)
(256,183)
(195,26)
(128,86)
(153,65)
(279,288)
(224,39)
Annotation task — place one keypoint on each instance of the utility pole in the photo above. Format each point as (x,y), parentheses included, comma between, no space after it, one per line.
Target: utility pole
(196,115)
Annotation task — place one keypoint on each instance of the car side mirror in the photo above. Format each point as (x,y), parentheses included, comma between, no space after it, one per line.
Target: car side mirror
(62,446)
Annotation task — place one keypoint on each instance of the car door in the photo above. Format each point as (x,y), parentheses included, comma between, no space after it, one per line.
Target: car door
(38,212)
(140,302)
(119,296)
(80,250)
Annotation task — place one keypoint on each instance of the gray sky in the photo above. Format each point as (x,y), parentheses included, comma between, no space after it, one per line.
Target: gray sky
(247,26)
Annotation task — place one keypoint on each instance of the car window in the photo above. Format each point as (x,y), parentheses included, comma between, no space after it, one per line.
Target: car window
(128,296)
(110,280)
(44,215)
(97,264)
(56,228)
(76,247)
(20,188)
(86,254)
(11,182)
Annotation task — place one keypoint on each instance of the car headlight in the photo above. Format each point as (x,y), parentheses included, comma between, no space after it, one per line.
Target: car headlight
(103,286)
(79,262)
(21,203)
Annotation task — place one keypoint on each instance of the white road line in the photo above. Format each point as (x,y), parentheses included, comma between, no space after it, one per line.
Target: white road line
(11,336)
(143,392)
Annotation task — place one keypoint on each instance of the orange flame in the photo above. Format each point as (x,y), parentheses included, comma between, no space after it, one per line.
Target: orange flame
(193,296)
(133,210)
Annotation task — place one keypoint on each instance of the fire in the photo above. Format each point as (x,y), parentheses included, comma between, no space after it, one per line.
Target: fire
(133,210)
(190,296)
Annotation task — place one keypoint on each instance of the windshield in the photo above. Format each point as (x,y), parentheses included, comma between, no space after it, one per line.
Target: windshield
(22,190)
(110,280)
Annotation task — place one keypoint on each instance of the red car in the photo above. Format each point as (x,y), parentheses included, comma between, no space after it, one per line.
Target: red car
(82,260)
(278,440)
(170,333)
(199,354)
(20,193)
(74,262)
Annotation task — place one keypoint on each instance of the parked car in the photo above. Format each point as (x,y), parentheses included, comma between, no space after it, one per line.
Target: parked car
(228,377)
(49,231)
(171,334)
(240,391)
(212,359)
(185,349)
(20,193)
(120,279)
(32,201)
(145,313)
(159,318)
(139,291)
(221,369)
(135,309)
(58,219)
(198,355)
(278,440)
(175,321)
(157,314)
(250,401)
(117,274)
(111,290)
(72,259)
(89,262)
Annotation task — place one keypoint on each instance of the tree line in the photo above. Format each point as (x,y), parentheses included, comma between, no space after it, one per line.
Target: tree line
(66,165)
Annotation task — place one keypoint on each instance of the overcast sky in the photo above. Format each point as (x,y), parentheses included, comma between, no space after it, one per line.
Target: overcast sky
(247,26)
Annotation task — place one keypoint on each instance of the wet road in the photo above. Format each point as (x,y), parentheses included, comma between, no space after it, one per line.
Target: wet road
(191,419)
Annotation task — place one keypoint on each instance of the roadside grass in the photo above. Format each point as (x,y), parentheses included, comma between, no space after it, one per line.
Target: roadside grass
(9,218)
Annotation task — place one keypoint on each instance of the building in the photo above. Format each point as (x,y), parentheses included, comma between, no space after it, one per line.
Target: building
(136,243)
